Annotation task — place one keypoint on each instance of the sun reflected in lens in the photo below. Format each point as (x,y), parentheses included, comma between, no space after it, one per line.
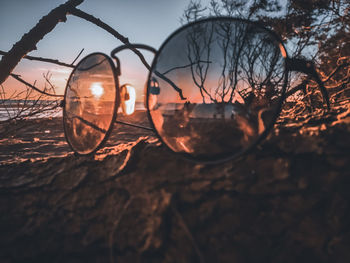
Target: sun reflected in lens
(97,90)
(90,101)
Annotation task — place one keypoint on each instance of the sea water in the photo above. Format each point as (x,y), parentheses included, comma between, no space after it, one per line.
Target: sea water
(7,112)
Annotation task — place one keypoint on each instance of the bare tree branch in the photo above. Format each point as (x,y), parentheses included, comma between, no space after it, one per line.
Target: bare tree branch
(335,71)
(17,77)
(24,104)
(28,41)
(96,21)
(77,56)
(48,60)
(185,66)
(301,86)
(77,12)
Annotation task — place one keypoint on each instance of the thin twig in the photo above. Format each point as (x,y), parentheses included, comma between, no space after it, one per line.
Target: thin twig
(186,66)
(47,79)
(3,96)
(48,60)
(23,106)
(301,86)
(335,71)
(17,77)
(32,113)
(77,56)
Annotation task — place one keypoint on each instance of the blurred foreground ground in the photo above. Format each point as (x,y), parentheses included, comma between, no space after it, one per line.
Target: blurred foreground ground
(287,201)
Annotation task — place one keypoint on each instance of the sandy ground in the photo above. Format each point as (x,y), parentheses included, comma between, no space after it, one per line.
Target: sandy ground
(286,201)
(40,139)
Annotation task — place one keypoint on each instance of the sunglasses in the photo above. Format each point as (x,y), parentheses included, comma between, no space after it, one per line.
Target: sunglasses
(214,90)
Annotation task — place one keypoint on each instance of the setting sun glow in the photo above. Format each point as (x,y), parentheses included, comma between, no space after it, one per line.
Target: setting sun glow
(97,89)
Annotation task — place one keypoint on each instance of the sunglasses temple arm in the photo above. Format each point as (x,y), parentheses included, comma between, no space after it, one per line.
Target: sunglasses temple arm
(151,49)
(308,67)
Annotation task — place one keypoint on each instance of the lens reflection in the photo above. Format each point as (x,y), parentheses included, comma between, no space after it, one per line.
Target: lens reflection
(215,87)
(127,99)
(89,103)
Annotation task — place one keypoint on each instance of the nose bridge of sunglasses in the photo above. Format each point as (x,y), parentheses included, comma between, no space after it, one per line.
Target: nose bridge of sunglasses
(135,48)
(132,47)
(127,93)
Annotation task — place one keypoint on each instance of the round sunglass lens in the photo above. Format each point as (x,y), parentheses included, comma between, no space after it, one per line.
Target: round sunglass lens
(216,87)
(90,103)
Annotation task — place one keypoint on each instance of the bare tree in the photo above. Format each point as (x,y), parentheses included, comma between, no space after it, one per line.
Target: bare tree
(317,33)
(199,41)
(241,59)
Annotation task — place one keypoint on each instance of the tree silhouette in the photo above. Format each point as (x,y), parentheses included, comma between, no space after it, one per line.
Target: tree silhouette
(316,30)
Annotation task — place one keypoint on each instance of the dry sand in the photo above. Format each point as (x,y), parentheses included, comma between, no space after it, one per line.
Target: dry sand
(40,139)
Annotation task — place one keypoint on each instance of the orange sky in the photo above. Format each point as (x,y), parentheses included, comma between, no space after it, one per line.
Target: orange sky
(33,71)
(148,22)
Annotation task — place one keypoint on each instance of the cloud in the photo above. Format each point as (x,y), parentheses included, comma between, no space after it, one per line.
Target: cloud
(57,70)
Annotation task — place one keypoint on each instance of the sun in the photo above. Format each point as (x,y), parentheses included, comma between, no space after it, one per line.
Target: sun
(97,90)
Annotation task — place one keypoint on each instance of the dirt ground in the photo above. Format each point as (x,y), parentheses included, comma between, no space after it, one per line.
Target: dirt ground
(286,201)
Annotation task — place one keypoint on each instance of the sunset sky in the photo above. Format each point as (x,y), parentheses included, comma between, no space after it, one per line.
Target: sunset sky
(142,21)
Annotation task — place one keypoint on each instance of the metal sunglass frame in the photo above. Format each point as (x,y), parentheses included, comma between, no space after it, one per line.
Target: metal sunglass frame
(291,64)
